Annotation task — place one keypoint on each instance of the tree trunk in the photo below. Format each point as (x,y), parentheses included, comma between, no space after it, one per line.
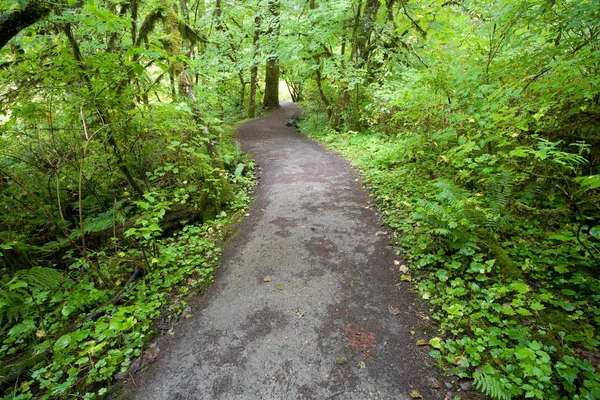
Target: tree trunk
(272,84)
(271,99)
(254,70)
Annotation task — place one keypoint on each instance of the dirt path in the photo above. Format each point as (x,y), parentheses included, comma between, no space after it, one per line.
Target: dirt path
(331,323)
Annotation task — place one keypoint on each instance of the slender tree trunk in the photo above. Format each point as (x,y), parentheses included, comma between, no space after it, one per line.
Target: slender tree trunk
(271,99)
(105,118)
(254,70)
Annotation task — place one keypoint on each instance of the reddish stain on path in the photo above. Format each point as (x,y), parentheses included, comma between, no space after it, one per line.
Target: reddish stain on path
(361,341)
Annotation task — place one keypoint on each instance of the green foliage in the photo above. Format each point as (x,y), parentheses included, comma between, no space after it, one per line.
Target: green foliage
(17,294)
(113,119)
(499,263)
(491,385)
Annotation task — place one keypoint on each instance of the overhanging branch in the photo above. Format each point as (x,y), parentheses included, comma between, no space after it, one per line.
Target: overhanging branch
(14,21)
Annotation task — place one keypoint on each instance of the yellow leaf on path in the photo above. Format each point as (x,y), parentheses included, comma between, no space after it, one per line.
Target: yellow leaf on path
(406,278)
(403,268)
(415,395)
(396,262)
(422,342)
(267,278)
(393,310)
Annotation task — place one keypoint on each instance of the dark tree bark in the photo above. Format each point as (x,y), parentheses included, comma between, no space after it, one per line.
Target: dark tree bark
(13,22)
(363,29)
(254,71)
(271,99)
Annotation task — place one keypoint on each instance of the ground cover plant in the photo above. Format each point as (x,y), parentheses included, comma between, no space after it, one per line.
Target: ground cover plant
(119,176)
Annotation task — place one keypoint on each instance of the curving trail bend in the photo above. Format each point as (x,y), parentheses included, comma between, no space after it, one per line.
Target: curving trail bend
(330,323)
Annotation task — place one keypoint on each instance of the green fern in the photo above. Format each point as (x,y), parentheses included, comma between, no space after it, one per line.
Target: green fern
(491,385)
(499,191)
(452,216)
(16,291)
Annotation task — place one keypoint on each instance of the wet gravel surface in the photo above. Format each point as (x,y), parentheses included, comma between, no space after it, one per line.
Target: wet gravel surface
(305,305)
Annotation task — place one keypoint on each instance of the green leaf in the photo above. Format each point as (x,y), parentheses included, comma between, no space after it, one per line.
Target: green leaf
(524,311)
(63,341)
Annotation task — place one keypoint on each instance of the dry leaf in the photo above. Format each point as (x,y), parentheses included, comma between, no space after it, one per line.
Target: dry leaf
(40,333)
(403,268)
(187,316)
(422,342)
(415,395)
(396,262)
(412,332)
(393,310)
(280,286)
(299,313)
(458,360)
(267,278)
(406,278)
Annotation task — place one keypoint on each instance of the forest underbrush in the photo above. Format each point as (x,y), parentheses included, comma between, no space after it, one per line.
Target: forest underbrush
(507,265)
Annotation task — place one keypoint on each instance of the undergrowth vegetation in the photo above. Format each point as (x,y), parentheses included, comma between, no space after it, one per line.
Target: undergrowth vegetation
(503,264)
(476,126)
(119,175)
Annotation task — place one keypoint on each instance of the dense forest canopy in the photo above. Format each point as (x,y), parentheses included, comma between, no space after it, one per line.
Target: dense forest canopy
(476,123)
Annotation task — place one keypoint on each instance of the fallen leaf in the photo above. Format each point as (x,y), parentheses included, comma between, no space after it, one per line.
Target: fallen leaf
(362,365)
(40,333)
(459,360)
(396,262)
(422,342)
(415,395)
(412,332)
(403,268)
(393,310)
(187,316)
(299,313)
(280,286)
(379,233)
(406,278)
(267,278)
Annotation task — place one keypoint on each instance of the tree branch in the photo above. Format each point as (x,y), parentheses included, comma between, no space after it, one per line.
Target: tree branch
(15,20)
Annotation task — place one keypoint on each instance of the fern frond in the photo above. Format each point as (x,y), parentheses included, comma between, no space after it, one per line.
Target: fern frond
(15,293)
(450,192)
(491,386)
(39,278)
(499,191)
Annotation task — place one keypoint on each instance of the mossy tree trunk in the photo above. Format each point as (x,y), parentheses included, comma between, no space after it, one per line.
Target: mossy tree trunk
(271,99)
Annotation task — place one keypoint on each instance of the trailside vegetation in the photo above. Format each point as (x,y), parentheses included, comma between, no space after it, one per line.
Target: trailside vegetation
(477,127)
(118,178)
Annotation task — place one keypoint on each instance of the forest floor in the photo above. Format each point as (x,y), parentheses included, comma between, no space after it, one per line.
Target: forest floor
(306,303)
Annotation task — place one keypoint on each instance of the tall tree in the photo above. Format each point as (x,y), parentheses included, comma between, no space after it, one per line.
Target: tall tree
(254,68)
(271,99)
